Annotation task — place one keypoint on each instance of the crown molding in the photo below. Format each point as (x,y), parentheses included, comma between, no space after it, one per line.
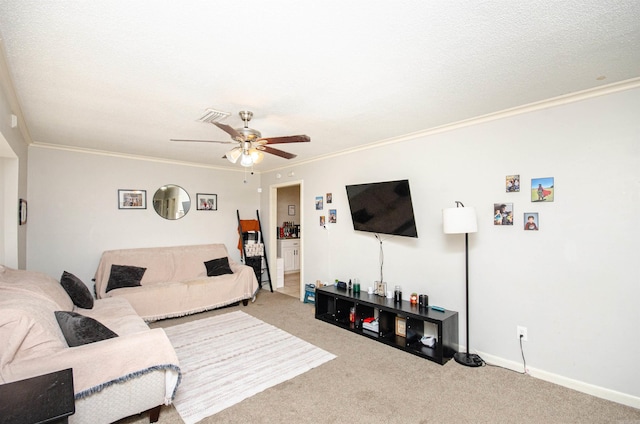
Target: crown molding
(519,110)
(66,148)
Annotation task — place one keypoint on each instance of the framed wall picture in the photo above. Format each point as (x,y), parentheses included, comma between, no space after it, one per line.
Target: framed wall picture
(132,199)
(292,210)
(206,202)
(531,222)
(512,183)
(503,214)
(333,216)
(542,189)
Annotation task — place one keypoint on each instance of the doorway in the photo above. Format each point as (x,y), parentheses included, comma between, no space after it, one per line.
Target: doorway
(286,217)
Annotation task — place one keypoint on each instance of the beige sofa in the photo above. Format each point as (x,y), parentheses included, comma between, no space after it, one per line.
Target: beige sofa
(174,281)
(135,371)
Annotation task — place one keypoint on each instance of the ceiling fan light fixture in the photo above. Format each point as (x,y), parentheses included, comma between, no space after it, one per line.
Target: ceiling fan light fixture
(256,156)
(246,160)
(250,144)
(234,154)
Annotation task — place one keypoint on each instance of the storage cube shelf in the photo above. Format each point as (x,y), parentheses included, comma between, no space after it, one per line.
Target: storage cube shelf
(334,305)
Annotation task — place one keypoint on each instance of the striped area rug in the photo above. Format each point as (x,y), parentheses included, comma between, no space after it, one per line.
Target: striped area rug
(228,358)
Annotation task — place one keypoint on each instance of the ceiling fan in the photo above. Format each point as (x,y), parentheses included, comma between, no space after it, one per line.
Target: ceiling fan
(250,143)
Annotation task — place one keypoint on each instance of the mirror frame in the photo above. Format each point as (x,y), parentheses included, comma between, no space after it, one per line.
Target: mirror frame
(171,202)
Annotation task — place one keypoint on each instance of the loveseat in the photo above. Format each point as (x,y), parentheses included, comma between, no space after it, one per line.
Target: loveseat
(167,282)
(120,366)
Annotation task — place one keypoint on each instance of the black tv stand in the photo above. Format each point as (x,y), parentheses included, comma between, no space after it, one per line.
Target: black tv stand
(333,305)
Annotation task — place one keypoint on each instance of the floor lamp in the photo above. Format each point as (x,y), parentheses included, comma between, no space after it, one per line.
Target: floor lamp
(461,220)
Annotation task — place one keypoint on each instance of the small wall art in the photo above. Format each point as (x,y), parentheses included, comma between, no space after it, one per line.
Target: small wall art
(512,183)
(206,202)
(333,217)
(503,214)
(329,198)
(542,189)
(132,199)
(322,220)
(531,221)
(319,202)
(292,210)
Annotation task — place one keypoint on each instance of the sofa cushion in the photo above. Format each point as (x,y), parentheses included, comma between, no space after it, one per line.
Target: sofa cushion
(219,266)
(80,330)
(125,276)
(77,290)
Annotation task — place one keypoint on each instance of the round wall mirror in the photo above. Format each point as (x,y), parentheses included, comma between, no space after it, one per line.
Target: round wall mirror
(171,201)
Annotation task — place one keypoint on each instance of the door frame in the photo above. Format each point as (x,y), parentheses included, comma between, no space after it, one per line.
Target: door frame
(273,218)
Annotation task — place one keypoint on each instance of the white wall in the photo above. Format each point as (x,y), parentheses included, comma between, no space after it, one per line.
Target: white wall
(13,175)
(74,215)
(574,284)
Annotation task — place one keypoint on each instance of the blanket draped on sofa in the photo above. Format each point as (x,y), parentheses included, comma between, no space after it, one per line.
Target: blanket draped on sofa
(175,282)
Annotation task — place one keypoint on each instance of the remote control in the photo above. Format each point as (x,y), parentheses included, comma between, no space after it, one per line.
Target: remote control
(437,308)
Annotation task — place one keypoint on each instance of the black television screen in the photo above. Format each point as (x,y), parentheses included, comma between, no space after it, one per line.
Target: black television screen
(383,207)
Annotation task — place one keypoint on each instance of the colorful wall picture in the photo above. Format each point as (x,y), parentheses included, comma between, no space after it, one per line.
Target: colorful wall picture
(512,183)
(333,217)
(319,203)
(542,189)
(132,199)
(322,220)
(503,214)
(531,221)
(329,198)
(206,202)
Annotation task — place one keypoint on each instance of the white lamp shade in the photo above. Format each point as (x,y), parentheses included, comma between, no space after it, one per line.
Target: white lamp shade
(246,160)
(459,220)
(234,154)
(256,155)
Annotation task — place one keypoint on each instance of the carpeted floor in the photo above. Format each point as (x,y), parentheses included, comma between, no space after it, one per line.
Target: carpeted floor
(370,382)
(222,361)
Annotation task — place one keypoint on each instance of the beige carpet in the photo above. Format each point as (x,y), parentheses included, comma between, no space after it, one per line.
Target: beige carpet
(224,360)
(369,382)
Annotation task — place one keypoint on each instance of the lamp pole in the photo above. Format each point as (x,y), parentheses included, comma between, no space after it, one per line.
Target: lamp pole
(461,220)
(467,359)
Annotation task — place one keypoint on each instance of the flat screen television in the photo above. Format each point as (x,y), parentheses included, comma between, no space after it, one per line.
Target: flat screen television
(383,207)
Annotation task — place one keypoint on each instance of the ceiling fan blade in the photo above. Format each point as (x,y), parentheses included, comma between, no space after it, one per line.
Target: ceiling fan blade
(287,139)
(229,130)
(204,141)
(277,152)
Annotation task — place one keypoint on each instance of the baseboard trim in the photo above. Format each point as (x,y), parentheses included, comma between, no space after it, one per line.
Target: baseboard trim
(580,386)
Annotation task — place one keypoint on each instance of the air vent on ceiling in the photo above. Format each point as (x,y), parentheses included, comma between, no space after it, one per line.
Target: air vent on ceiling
(211,116)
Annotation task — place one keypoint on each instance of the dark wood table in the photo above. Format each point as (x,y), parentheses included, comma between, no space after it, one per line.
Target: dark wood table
(46,398)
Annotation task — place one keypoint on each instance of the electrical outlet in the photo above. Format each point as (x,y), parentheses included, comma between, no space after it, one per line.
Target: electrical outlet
(522,331)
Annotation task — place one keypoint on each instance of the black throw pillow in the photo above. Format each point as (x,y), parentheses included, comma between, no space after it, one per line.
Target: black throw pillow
(218,266)
(124,276)
(77,290)
(79,330)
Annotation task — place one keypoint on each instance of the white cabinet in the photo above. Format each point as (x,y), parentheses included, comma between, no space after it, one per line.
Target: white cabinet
(289,251)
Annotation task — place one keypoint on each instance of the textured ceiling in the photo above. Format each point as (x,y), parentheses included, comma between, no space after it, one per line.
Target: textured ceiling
(126,76)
